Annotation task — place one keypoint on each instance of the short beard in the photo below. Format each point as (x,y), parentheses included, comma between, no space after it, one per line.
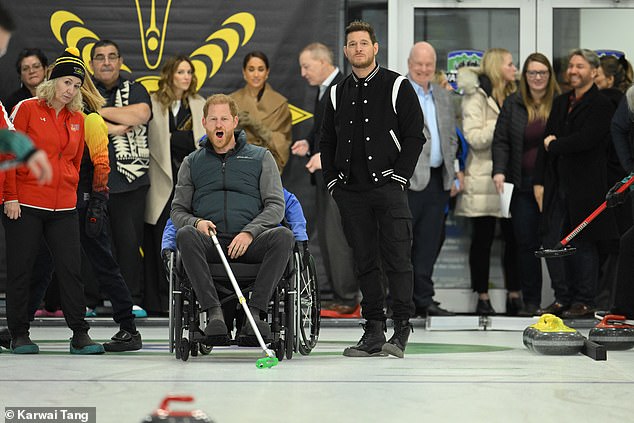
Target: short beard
(363,65)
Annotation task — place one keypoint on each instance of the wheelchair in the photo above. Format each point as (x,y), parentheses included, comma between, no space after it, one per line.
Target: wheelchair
(294,308)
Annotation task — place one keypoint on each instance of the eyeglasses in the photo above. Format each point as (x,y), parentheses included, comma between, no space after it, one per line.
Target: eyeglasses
(34,66)
(535,74)
(101,58)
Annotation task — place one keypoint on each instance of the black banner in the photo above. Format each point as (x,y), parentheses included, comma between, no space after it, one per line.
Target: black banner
(215,34)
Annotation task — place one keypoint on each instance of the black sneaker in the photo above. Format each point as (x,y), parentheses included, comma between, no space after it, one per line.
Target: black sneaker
(247,336)
(124,341)
(5,338)
(396,344)
(22,344)
(82,344)
(371,343)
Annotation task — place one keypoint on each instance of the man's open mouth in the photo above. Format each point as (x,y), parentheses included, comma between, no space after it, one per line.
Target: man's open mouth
(220,134)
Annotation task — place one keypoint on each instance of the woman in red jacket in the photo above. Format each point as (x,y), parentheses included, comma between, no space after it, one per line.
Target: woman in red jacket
(53,120)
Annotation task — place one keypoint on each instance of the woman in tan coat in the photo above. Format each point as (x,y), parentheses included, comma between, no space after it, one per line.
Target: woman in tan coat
(484,92)
(264,113)
(173,133)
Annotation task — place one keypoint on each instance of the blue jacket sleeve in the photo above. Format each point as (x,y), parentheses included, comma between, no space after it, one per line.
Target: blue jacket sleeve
(169,237)
(294,215)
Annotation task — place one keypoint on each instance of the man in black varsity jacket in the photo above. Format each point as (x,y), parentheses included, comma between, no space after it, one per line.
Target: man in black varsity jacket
(372,136)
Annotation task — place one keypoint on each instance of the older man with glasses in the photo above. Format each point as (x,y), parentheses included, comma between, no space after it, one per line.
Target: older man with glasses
(127,111)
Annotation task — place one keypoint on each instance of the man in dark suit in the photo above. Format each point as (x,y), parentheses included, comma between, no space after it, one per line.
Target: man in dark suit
(316,63)
(433,177)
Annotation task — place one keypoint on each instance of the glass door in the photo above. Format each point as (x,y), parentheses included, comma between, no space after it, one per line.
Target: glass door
(459,25)
(594,24)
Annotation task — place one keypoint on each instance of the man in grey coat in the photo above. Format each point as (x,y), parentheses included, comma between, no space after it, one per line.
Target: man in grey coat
(433,177)
(233,189)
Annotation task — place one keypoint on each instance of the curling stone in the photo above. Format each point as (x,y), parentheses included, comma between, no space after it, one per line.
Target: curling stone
(613,333)
(550,336)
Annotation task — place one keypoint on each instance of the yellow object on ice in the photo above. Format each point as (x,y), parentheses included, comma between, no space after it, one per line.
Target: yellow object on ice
(551,323)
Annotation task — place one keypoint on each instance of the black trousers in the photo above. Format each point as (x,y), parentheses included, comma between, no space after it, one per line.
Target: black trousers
(156,295)
(126,211)
(378,226)
(105,268)
(574,278)
(335,251)
(483,232)
(23,238)
(428,219)
(624,290)
(272,248)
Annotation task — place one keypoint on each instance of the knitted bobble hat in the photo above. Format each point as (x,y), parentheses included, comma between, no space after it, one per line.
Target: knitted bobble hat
(69,64)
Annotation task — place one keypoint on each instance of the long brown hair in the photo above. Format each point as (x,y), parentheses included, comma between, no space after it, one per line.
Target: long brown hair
(491,65)
(620,69)
(541,110)
(165,93)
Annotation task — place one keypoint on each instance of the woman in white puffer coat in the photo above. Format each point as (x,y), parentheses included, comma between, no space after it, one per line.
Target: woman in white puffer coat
(485,89)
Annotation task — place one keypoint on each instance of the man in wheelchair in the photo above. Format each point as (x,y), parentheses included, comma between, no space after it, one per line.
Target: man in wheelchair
(234,189)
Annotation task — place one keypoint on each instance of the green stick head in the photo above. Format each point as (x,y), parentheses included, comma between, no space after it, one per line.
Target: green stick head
(266,362)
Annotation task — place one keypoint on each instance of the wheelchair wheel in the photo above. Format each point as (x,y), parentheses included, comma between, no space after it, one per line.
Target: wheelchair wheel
(205,349)
(177,328)
(309,308)
(184,349)
(289,317)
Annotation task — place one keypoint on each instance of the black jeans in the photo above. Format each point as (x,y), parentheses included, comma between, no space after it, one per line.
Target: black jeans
(105,269)
(378,226)
(428,220)
(126,211)
(525,217)
(23,237)
(483,232)
(272,248)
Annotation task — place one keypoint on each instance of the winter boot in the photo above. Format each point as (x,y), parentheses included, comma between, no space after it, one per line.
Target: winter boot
(371,343)
(396,344)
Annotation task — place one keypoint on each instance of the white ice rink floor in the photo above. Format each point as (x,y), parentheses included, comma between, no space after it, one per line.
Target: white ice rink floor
(446,376)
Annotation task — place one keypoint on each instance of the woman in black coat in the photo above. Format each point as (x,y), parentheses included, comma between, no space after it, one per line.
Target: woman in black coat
(519,132)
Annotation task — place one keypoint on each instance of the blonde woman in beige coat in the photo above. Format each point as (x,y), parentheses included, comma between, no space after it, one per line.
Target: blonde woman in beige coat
(173,133)
(484,92)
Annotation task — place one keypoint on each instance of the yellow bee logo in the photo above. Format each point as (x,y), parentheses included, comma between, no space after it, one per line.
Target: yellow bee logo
(219,47)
